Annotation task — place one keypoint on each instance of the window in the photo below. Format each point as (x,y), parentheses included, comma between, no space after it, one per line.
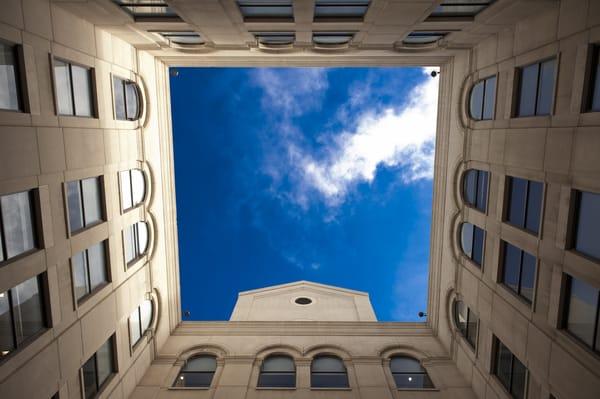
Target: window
(409,374)
(197,372)
(332,38)
(586,226)
(483,99)
(22,314)
(272,10)
(10,98)
(133,188)
(127,99)
(581,317)
(148,10)
(98,369)
(277,371)
(472,242)
(139,321)
(524,204)
(182,37)
(135,241)
(592,102)
(89,270)
(328,372)
(17,225)
(536,88)
(460,8)
(275,38)
(332,10)
(84,203)
(466,322)
(475,188)
(74,92)
(518,271)
(423,37)
(509,370)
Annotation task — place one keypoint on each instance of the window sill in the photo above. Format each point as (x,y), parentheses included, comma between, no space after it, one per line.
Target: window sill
(18,257)
(330,389)
(534,234)
(517,300)
(275,388)
(418,389)
(189,388)
(85,228)
(23,345)
(81,301)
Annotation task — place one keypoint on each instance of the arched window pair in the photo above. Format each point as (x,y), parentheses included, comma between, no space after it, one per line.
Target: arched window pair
(133,188)
(135,241)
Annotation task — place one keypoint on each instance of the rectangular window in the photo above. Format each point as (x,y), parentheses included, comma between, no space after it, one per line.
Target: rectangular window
(10,98)
(424,37)
(518,271)
(126,99)
(509,370)
(272,10)
(74,91)
(335,10)
(98,369)
(17,225)
(84,203)
(22,314)
(135,241)
(536,88)
(524,203)
(148,10)
(450,9)
(182,37)
(483,99)
(89,270)
(467,321)
(586,226)
(582,306)
(592,102)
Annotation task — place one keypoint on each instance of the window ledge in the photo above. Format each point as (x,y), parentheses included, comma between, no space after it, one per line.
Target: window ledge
(275,388)
(189,388)
(418,389)
(330,389)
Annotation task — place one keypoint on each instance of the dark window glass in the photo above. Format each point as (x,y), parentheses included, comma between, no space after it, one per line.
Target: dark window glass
(536,88)
(147,9)
(524,204)
(482,99)
(582,305)
(133,188)
(74,92)
(275,38)
(197,372)
(472,323)
(518,271)
(340,9)
(126,99)
(22,314)
(476,102)
(328,372)
(489,99)
(183,37)
(135,241)
(332,38)
(17,229)
(119,98)
(587,224)
(472,242)
(89,270)
(478,242)
(84,203)
(509,370)
(9,78)
(594,86)
(277,371)
(267,9)
(409,374)
(423,37)
(460,8)
(466,322)
(98,368)
(475,186)
(90,387)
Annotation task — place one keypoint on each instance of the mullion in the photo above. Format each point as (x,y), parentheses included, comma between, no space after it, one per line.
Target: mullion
(82,202)
(139,310)
(130,183)
(3,237)
(537,92)
(12,318)
(124,97)
(87,268)
(594,342)
(72,88)
(510,375)
(477,173)
(520,272)
(482,105)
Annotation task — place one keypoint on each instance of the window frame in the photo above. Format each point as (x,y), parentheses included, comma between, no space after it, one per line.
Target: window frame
(591,77)
(564,315)
(147,17)
(477,188)
(518,86)
(339,17)
(107,269)
(471,257)
(507,204)
(458,16)
(241,4)
(261,372)
(100,387)
(124,82)
(573,223)
(494,369)
(484,81)
(465,333)
(139,254)
(199,387)
(121,182)
(138,309)
(103,210)
(501,269)
(345,373)
(423,372)
(20,78)
(93,88)
(34,209)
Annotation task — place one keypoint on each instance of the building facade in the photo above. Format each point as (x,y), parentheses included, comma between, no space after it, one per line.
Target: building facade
(89,280)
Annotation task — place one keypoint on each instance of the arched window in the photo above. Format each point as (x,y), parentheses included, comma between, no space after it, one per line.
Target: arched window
(127,98)
(197,372)
(475,188)
(472,242)
(133,188)
(139,321)
(328,372)
(482,100)
(277,371)
(135,241)
(466,322)
(409,374)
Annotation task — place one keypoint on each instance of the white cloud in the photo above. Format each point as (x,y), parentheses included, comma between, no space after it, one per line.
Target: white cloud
(394,138)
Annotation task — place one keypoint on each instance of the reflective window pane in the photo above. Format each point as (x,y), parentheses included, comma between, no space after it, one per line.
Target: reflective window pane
(503,367)
(89,378)
(332,38)
(80,275)
(519,376)
(28,314)
(470,186)
(467,239)
(104,360)
(146,311)
(546,88)
(478,245)
(194,379)
(126,194)
(476,101)
(74,205)
(489,100)
(278,363)
(516,201)
(7,343)
(527,281)
(9,88)
(534,206)
(266,8)
(587,224)
(64,93)
(582,310)
(472,328)
(328,364)
(277,380)
(460,317)
(17,221)
(1,246)
(595,85)
(403,364)
(482,184)
(119,98)
(97,264)
(142,237)
(82,90)
(138,186)
(134,326)
(201,364)
(528,90)
(423,37)
(511,267)
(131,100)
(129,244)
(329,380)
(413,381)
(92,200)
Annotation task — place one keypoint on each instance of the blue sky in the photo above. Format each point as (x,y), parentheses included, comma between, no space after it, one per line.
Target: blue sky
(320,174)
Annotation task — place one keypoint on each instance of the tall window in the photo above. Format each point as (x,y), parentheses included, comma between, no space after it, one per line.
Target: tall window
(518,271)
(586,226)
(98,369)
(277,371)
(133,188)
(148,10)
(135,241)
(272,10)
(10,96)
(536,88)
(524,205)
(475,188)
(483,99)
(592,102)
(84,203)
(582,308)
(22,314)
(89,270)
(74,90)
(331,10)
(509,370)
(466,322)
(197,372)
(17,225)
(139,321)
(127,99)
(409,374)
(472,242)
(328,372)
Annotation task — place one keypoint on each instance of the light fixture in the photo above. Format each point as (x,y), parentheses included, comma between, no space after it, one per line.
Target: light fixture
(410,378)
(181,377)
